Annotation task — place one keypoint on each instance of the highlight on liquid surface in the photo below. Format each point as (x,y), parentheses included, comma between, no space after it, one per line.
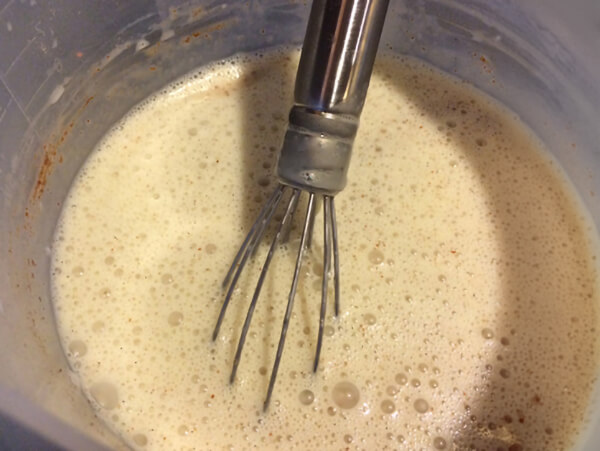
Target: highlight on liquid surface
(469,286)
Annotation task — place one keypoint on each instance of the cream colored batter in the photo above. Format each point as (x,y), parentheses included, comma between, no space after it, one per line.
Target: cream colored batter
(469,286)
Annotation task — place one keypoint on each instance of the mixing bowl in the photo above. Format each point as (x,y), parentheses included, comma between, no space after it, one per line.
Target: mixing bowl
(70,69)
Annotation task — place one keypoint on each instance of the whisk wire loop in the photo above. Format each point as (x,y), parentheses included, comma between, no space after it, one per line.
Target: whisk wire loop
(264,210)
(336,259)
(290,304)
(326,263)
(291,207)
(246,250)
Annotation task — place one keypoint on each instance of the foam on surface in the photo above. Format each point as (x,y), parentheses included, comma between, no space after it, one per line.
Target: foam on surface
(469,287)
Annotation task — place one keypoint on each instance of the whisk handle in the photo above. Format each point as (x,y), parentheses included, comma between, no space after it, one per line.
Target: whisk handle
(331,86)
(338,55)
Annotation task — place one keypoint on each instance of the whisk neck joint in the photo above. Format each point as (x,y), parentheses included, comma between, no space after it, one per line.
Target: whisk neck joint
(316,150)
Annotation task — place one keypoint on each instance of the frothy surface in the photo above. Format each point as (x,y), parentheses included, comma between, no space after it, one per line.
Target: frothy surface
(469,288)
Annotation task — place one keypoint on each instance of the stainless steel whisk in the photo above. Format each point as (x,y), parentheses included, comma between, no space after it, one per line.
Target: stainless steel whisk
(331,85)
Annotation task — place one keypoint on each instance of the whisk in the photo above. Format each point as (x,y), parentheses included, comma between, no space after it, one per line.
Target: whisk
(331,85)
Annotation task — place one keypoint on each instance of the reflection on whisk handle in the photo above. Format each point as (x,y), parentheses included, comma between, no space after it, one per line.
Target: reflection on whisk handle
(331,86)
(338,54)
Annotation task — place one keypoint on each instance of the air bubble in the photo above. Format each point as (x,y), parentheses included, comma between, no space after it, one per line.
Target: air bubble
(78,271)
(77,348)
(488,334)
(105,394)
(369,319)
(401,379)
(175,318)
(388,406)
(166,279)
(306,397)
(421,405)
(345,395)
(391,390)
(140,439)
(439,443)
(376,257)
